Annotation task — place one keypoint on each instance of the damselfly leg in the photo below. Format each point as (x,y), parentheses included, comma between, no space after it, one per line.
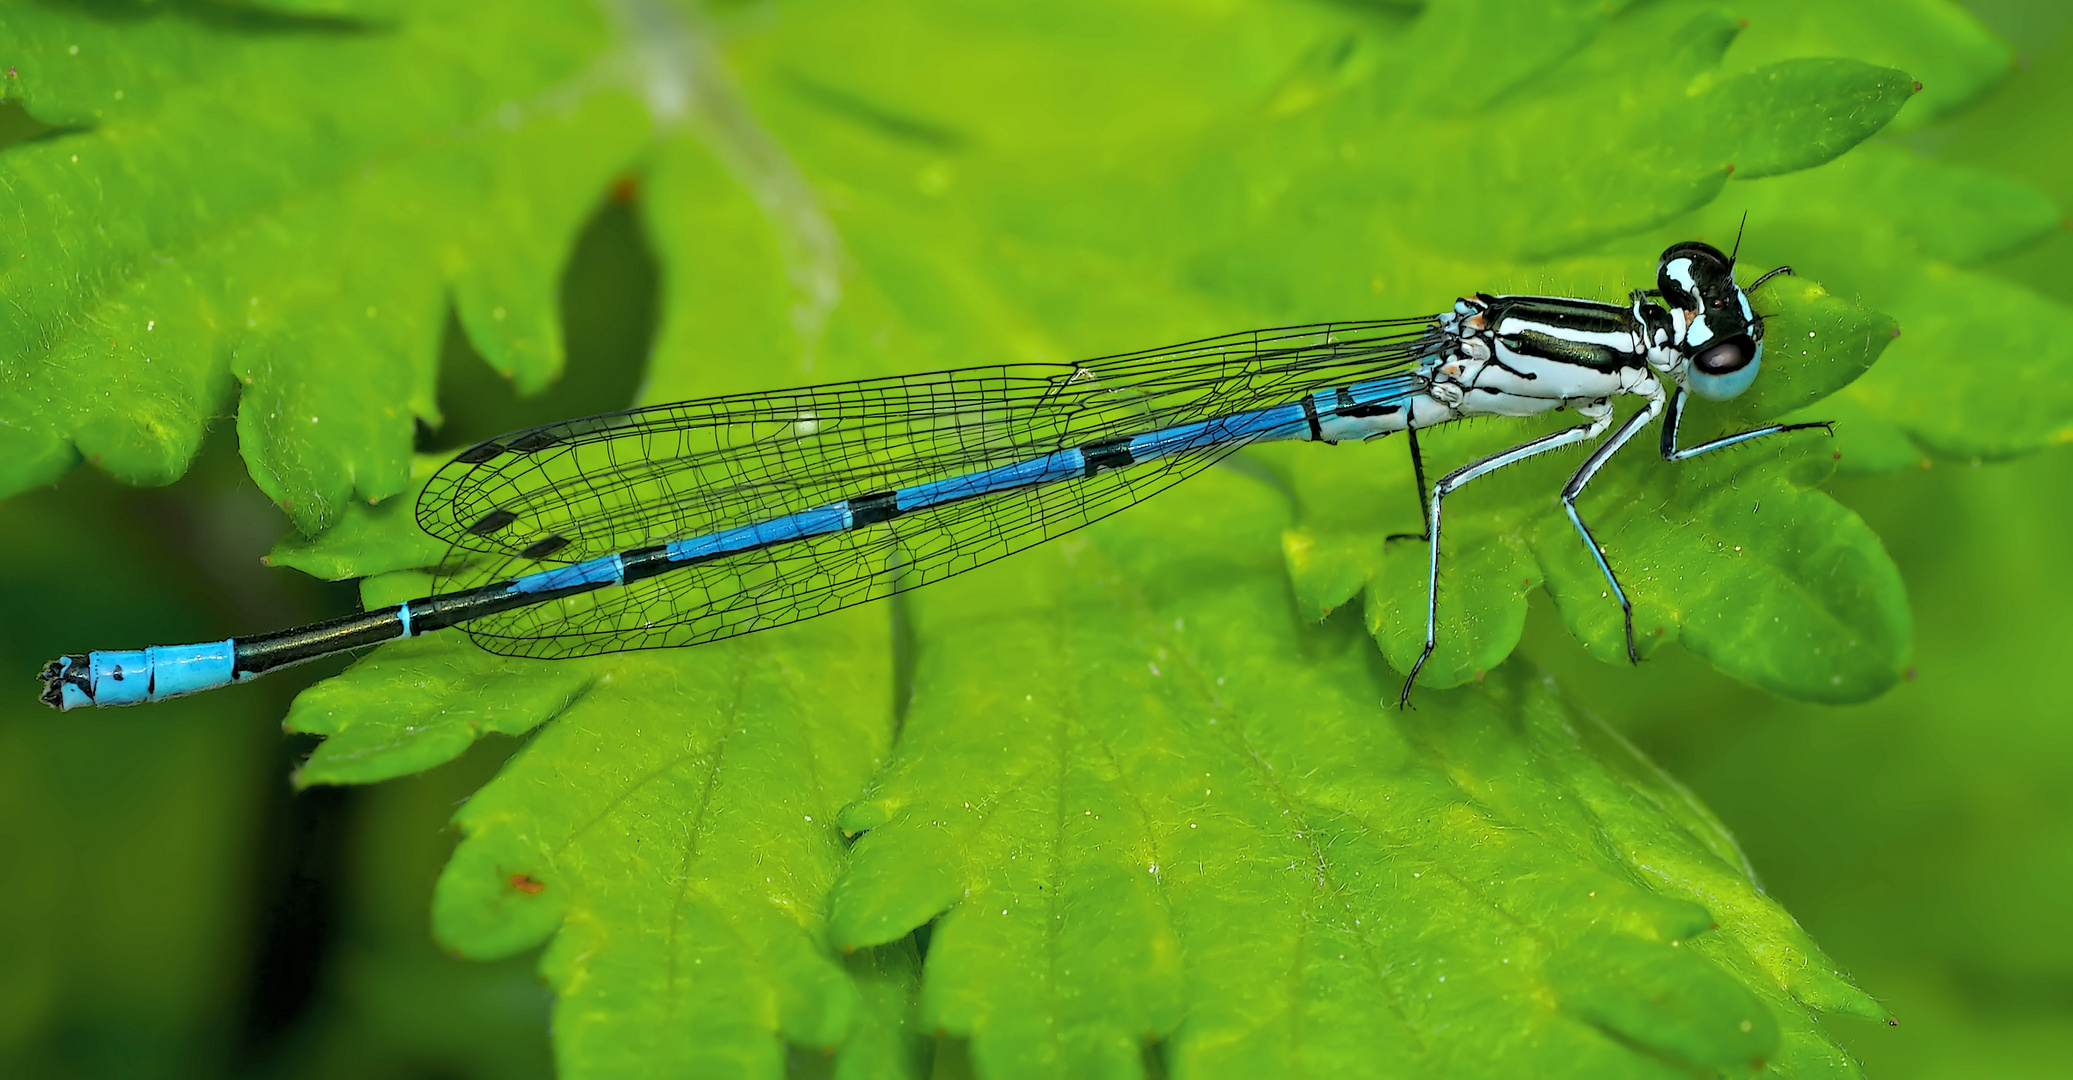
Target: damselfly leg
(1600,415)
(1635,423)
(1575,487)
(1424,504)
(1671,452)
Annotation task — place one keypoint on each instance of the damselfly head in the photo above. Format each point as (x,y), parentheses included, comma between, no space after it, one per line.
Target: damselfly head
(1720,336)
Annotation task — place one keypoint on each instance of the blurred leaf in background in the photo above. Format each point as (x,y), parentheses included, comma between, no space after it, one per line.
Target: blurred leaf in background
(985,184)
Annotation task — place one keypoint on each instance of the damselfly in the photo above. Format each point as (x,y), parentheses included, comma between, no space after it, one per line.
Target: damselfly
(680,524)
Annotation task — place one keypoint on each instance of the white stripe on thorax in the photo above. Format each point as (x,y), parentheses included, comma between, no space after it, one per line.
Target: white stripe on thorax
(1618,340)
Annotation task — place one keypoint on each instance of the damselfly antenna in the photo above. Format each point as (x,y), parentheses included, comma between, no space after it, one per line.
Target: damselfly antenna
(1739,229)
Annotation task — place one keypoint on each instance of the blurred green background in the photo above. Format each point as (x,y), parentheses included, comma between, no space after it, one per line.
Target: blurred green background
(172,909)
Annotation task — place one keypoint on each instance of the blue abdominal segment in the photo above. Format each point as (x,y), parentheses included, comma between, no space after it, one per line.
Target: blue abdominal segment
(1281,421)
(607,570)
(805,523)
(131,677)
(1059,465)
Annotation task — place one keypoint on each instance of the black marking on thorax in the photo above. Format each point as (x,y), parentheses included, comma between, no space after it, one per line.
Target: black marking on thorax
(1552,317)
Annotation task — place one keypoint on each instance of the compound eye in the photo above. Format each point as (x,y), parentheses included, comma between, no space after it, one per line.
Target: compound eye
(1725,357)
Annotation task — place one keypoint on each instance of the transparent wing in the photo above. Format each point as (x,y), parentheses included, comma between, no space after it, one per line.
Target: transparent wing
(799,580)
(590,487)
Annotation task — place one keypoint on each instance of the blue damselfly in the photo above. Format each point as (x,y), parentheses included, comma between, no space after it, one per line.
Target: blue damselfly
(679,524)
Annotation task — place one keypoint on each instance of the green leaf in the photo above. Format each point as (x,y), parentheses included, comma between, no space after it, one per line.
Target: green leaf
(1136,810)
(368,538)
(1667,133)
(673,830)
(1984,374)
(1800,113)
(280,204)
(374,719)
(1940,43)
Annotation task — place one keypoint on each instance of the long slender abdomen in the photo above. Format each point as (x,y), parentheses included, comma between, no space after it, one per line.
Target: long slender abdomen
(154,674)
